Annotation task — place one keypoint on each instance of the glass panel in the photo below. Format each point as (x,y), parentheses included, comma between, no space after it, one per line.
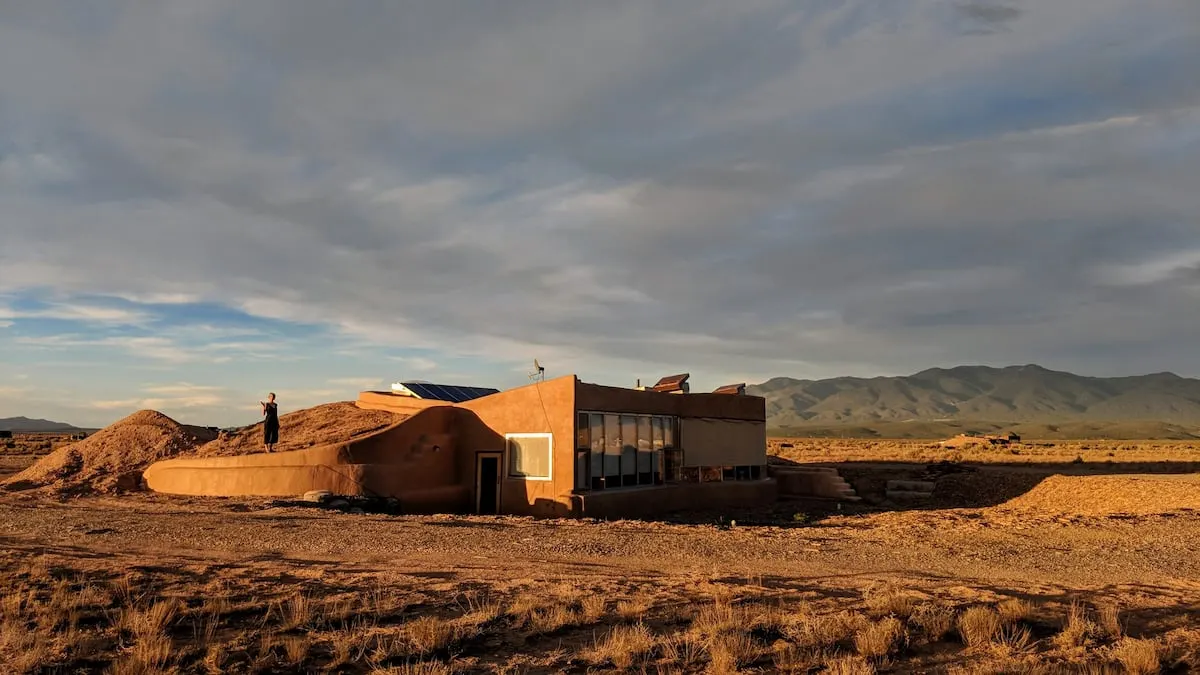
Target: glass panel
(583,435)
(596,431)
(645,453)
(581,470)
(658,424)
(669,432)
(529,457)
(612,451)
(583,444)
(672,461)
(628,450)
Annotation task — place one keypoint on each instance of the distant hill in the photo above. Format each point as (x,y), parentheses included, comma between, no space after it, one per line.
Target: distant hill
(940,399)
(33,425)
(1127,431)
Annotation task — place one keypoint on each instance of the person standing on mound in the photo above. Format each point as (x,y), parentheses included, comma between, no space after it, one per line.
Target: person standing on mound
(270,411)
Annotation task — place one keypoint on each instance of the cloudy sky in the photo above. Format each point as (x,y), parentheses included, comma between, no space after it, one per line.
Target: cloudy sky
(204,201)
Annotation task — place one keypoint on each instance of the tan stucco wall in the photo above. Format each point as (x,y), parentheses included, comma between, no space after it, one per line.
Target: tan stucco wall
(384,400)
(544,407)
(400,461)
(599,398)
(429,459)
(642,502)
(713,442)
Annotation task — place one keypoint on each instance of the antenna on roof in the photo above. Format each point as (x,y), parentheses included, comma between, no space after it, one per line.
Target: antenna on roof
(539,372)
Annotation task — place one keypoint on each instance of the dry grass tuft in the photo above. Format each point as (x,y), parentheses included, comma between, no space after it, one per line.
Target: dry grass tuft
(522,606)
(296,612)
(728,651)
(151,621)
(1012,640)
(824,631)
(480,613)
(622,646)
(849,665)
(429,634)
(719,617)
(1138,657)
(1014,610)
(890,602)
(1078,629)
(979,626)
(1108,621)
(26,651)
(632,610)
(295,649)
(682,650)
(418,668)
(934,621)
(880,640)
(150,654)
(551,619)
(592,609)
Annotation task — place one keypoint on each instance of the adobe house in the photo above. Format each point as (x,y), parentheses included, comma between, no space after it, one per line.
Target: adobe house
(561,447)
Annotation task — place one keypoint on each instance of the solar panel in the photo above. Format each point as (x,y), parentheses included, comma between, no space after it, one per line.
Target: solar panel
(672,383)
(447,392)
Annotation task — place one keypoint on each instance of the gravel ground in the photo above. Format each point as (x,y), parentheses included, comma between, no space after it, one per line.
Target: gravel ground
(982,549)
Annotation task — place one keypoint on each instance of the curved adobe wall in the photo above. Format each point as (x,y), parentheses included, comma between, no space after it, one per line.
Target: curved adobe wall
(413,460)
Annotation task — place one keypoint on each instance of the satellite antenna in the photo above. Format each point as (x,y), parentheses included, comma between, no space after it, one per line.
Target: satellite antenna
(539,372)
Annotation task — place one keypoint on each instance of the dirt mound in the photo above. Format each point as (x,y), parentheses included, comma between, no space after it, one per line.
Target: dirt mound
(1140,494)
(320,425)
(112,459)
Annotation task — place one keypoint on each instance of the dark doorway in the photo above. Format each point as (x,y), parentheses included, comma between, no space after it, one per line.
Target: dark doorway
(487,483)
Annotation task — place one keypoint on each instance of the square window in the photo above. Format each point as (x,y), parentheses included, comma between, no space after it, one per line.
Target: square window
(529,456)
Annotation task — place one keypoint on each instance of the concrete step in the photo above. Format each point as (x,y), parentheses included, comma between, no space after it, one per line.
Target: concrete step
(914,495)
(911,485)
(800,468)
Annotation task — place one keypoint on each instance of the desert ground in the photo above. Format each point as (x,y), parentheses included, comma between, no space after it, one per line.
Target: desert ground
(1062,558)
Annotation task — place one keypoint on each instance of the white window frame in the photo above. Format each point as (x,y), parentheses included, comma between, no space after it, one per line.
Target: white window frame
(508,456)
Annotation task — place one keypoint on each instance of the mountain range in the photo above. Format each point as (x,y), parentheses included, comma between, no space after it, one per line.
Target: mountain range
(1016,394)
(25,424)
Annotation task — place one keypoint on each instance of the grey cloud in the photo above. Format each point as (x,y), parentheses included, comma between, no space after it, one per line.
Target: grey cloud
(988,17)
(846,184)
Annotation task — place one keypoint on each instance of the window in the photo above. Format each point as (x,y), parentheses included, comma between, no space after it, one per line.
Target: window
(673,465)
(628,450)
(529,456)
(583,443)
(645,452)
(596,424)
(612,451)
(625,450)
(656,427)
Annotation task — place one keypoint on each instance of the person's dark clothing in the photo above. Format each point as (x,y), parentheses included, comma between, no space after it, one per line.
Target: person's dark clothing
(271,424)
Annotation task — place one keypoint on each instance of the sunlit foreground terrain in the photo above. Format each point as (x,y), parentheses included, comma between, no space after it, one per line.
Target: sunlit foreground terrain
(146,584)
(1150,455)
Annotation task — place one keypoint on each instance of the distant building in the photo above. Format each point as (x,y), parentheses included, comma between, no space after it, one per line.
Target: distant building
(556,448)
